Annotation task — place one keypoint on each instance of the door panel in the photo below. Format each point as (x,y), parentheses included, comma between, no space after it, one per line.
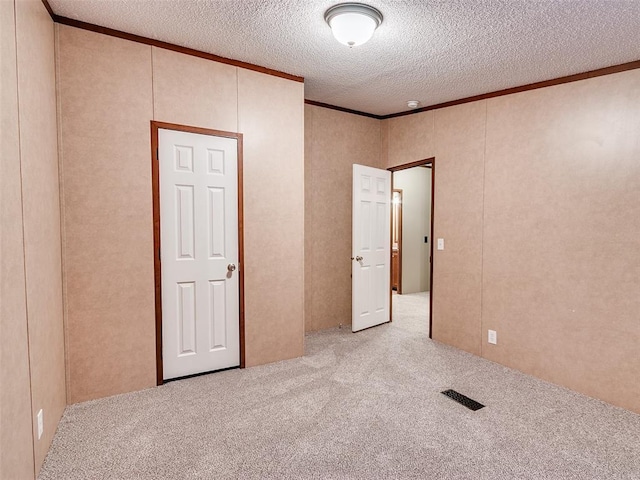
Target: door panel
(371,250)
(198,239)
(217,315)
(187,318)
(185,240)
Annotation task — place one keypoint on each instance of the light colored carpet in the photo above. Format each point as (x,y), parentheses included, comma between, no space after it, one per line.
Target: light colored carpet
(356,406)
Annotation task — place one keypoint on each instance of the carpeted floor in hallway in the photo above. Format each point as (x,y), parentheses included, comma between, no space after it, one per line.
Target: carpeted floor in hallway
(356,406)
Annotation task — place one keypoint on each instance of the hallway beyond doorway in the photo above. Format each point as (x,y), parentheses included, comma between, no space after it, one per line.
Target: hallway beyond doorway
(411,311)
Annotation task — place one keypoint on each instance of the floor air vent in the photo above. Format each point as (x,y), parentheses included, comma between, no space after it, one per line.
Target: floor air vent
(463,399)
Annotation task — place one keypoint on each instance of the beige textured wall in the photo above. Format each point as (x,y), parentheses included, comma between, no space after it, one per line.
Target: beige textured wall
(16,440)
(455,136)
(409,139)
(541,231)
(561,278)
(334,141)
(33,375)
(193,91)
(457,270)
(415,184)
(109,91)
(271,118)
(104,86)
(41,214)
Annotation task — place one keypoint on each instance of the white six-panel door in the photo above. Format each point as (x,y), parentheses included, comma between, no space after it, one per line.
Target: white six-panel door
(371,263)
(199,251)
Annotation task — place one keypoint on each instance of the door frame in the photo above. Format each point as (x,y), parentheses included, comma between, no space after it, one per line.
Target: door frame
(427,161)
(157,267)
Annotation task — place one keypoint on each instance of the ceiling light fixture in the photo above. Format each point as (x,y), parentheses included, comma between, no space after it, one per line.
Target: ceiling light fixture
(413,103)
(353,24)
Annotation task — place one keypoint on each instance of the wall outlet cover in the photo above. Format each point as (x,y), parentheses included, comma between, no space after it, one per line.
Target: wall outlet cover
(493,337)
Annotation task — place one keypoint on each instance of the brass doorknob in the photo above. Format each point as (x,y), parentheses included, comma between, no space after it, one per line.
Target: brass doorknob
(231,267)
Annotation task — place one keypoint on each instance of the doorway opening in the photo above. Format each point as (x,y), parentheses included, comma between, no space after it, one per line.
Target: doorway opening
(412,236)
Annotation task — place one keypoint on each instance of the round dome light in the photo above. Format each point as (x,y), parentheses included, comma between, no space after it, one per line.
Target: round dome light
(353,24)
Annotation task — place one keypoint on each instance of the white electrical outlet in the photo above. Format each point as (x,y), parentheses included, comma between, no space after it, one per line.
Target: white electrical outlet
(40,423)
(441,244)
(493,337)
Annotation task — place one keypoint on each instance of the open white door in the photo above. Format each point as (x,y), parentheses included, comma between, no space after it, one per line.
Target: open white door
(199,252)
(371,264)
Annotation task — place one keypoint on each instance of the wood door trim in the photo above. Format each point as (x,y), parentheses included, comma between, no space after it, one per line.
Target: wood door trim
(433,197)
(157,267)
(427,161)
(418,163)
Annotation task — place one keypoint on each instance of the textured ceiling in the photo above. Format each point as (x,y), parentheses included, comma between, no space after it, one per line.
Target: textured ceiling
(432,50)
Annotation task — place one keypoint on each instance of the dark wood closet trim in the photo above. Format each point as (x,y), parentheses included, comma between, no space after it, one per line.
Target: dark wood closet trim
(419,163)
(167,46)
(432,162)
(157,267)
(433,198)
(342,109)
